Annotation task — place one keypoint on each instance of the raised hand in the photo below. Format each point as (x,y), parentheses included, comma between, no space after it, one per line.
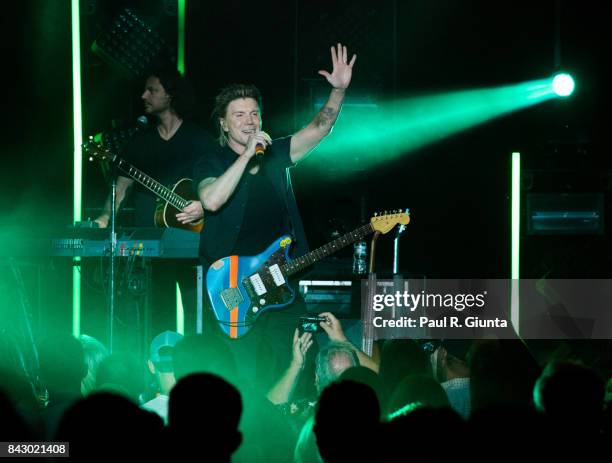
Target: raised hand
(301,344)
(342,70)
(332,327)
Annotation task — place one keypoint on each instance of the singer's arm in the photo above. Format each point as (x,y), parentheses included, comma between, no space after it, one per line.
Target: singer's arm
(306,139)
(215,191)
(123,185)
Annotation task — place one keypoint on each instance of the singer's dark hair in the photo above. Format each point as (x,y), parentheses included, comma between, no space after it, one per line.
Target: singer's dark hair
(180,91)
(225,96)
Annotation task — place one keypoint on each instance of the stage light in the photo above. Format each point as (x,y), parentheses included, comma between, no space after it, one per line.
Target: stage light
(563,84)
(133,47)
(372,132)
(77,158)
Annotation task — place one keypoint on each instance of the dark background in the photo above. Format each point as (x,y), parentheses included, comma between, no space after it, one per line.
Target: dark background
(457,189)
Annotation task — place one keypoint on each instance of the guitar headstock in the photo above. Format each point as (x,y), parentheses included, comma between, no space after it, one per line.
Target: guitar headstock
(95,150)
(385,222)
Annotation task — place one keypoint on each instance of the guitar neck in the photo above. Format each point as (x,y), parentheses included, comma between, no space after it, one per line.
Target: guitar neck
(153,185)
(308,259)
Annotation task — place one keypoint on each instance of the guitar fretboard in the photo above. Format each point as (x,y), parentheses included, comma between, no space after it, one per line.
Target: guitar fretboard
(308,259)
(160,190)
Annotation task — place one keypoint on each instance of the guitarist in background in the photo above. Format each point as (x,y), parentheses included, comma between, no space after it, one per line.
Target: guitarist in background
(166,151)
(249,201)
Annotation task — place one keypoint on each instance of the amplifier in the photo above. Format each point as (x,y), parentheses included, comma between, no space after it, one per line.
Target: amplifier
(335,296)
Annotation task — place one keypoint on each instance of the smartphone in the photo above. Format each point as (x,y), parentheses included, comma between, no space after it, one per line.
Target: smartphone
(310,324)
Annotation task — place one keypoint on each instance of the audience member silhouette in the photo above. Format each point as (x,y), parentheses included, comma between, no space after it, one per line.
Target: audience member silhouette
(365,376)
(451,370)
(62,368)
(421,389)
(424,433)
(13,426)
(572,396)
(94,352)
(502,372)
(400,358)
(19,388)
(121,373)
(346,422)
(104,425)
(203,417)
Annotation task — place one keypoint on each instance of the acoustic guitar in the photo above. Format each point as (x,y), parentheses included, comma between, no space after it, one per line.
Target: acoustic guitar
(170,200)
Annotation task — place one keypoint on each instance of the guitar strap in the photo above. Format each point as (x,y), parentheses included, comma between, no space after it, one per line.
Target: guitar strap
(292,222)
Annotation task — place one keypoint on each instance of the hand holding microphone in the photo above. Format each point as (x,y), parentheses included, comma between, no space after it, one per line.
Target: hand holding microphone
(258,142)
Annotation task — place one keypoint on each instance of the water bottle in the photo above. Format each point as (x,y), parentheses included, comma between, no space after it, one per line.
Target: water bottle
(359,258)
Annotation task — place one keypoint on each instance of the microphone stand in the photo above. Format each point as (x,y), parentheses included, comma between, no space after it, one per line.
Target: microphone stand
(142,122)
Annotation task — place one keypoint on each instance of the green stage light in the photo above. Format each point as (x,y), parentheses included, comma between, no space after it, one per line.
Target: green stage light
(180,62)
(370,135)
(77,158)
(515,232)
(563,84)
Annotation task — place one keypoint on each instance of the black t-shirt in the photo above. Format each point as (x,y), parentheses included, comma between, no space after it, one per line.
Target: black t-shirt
(166,161)
(261,209)
(264,215)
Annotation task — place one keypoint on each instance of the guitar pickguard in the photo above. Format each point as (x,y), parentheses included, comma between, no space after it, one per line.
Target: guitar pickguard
(268,286)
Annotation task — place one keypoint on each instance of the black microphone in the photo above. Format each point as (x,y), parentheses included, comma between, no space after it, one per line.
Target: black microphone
(142,122)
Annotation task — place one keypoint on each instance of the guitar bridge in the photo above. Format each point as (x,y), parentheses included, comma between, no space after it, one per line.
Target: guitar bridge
(231,297)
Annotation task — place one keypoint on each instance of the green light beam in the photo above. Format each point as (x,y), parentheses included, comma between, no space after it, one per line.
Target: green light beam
(375,135)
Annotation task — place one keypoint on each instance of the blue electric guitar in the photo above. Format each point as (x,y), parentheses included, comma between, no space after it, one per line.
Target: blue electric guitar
(242,288)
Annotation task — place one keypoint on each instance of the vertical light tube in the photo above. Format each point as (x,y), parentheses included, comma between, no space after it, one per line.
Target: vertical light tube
(180,316)
(516,236)
(181,37)
(78,138)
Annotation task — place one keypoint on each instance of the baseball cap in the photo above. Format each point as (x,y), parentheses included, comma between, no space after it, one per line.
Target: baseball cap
(165,339)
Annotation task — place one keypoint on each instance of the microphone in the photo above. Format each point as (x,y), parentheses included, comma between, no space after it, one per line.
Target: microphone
(259,149)
(142,122)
